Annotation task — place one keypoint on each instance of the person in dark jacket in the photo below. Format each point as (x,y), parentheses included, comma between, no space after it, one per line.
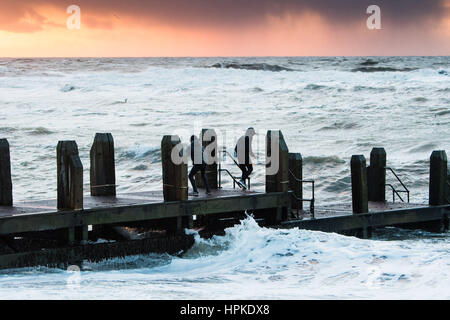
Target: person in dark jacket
(244,153)
(198,164)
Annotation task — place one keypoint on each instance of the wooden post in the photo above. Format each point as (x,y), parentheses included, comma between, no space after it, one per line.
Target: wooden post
(438,178)
(277,171)
(277,162)
(175,178)
(296,167)
(209,142)
(359,184)
(70,235)
(448,186)
(103,172)
(376,175)
(6,196)
(70,176)
(82,234)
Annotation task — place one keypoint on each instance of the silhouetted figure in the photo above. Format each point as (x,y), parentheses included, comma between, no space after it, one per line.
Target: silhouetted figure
(198,164)
(244,153)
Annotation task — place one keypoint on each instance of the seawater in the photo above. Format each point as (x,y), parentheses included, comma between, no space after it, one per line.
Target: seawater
(328,108)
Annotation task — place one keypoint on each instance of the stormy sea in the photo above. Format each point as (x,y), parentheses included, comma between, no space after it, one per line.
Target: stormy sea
(328,109)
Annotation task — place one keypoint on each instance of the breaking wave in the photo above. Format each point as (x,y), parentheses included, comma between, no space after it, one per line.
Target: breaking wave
(40,131)
(313,86)
(7,129)
(141,152)
(375,89)
(324,159)
(251,66)
(443,113)
(382,69)
(68,88)
(369,62)
(253,262)
(340,125)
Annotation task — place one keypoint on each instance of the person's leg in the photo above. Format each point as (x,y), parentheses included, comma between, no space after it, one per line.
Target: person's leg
(243,169)
(194,170)
(248,170)
(205,179)
(244,173)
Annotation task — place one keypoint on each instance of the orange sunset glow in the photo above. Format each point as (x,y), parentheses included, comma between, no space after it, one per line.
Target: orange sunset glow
(219,28)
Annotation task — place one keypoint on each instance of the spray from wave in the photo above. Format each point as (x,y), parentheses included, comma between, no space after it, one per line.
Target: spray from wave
(252,262)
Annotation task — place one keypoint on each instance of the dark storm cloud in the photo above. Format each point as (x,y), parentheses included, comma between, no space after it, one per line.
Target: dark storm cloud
(237,13)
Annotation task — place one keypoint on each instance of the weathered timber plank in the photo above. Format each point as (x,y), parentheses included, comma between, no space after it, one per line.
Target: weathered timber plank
(141,212)
(69,176)
(174,174)
(6,193)
(102,171)
(378,219)
(277,162)
(97,252)
(376,175)
(359,184)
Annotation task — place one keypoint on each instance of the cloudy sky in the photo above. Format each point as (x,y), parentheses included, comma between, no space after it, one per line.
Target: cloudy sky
(31,28)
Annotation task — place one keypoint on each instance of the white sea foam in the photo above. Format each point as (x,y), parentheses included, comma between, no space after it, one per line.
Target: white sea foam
(250,262)
(326,112)
(330,122)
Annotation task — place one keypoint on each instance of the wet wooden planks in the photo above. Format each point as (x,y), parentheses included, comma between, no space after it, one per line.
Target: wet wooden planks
(133,207)
(339,218)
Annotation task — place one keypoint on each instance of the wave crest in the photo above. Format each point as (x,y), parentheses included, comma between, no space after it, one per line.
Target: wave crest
(323,159)
(40,131)
(382,69)
(251,66)
(141,152)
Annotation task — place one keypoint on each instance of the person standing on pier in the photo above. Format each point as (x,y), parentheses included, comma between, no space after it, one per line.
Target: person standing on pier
(198,164)
(244,153)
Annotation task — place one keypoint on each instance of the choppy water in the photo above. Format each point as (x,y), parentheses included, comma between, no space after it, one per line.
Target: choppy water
(250,262)
(327,108)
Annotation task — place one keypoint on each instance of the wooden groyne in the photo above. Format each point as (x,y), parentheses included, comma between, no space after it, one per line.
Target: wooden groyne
(76,227)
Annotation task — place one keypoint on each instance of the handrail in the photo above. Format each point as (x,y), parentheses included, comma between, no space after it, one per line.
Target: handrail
(235,181)
(394,191)
(226,152)
(311,201)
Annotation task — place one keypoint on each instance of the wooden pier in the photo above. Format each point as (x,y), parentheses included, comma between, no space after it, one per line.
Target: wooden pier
(74,227)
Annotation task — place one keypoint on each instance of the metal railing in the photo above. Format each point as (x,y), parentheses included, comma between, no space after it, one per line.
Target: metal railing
(299,200)
(395,191)
(234,178)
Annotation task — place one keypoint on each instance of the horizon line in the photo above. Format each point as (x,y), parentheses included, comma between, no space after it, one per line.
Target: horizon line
(237,56)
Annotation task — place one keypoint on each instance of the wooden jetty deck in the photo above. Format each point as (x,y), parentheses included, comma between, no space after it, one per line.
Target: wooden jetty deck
(28,219)
(43,215)
(339,218)
(76,227)
(131,207)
